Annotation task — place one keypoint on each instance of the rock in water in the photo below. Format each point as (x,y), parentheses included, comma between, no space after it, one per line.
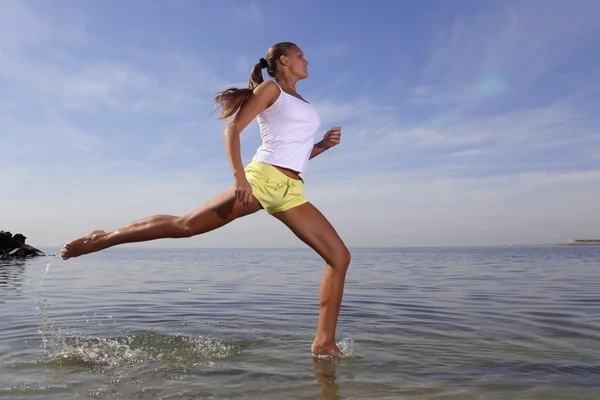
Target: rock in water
(12,247)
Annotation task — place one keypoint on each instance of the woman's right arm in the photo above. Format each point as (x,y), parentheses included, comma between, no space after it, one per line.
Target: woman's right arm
(263,96)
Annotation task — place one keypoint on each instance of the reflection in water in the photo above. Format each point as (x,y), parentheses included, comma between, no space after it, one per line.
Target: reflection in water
(11,273)
(325,374)
(473,323)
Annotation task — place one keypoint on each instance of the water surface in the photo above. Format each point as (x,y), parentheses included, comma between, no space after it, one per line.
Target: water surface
(420,323)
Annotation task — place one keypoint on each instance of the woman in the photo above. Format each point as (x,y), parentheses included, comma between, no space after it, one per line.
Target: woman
(272,181)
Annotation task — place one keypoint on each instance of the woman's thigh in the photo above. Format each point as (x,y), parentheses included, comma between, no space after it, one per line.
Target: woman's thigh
(311,226)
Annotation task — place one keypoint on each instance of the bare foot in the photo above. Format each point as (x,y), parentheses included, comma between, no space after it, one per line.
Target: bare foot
(326,350)
(81,246)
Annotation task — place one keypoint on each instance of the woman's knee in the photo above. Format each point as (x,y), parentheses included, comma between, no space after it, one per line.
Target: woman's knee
(184,227)
(341,259)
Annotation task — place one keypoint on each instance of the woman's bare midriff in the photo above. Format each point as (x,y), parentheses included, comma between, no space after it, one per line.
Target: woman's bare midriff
(290,173)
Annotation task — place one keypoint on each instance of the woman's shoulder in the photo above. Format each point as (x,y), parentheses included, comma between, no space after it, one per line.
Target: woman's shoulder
(269,86)
(270,90)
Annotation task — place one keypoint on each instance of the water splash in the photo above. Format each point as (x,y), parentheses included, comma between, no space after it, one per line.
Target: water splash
(48,267)
(142,347)
(63,346)
(42,307)
(346,345)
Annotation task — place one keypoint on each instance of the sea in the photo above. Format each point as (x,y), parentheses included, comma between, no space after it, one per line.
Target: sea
(510,322)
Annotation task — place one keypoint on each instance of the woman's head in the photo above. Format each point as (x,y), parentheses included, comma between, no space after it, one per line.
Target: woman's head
(283,60)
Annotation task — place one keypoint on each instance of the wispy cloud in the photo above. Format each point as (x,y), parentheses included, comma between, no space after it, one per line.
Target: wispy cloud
(249,12)
(68,92)
(485,132)
(471,98)
(491,135)
(111,130)
(400,209)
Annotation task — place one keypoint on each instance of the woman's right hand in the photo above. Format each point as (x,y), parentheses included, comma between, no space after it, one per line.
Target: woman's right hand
(243,190)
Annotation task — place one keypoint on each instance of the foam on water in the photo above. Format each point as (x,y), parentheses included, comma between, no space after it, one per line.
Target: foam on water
(143,347)
(63,347)
(346,345)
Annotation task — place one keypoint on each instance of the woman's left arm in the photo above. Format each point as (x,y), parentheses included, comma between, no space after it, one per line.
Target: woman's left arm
(331,138)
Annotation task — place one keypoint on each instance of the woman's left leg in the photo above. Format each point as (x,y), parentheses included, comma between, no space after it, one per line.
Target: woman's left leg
(311,226)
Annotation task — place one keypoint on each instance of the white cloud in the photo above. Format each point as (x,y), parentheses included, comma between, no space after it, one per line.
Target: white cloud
(466,159)
(250,12)
(374,139)
(55,94)
(332,112)
(467,153)
(84,130)
(22,26)
(450,163)
(396,209)
(519,40)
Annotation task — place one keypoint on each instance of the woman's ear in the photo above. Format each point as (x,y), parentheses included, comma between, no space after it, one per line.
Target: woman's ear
(283,60)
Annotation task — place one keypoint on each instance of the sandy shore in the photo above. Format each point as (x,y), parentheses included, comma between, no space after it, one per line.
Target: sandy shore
(581,242)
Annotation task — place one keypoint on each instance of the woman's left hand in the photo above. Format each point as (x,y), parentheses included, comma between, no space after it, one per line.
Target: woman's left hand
(332,137)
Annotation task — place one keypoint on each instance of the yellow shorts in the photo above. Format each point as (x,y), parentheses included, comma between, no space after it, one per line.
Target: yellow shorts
(273,190)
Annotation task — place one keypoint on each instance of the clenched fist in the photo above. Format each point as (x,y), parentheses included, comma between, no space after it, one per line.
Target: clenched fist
(332,137)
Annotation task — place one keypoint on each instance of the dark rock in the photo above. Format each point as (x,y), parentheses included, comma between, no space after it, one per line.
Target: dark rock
(14,247)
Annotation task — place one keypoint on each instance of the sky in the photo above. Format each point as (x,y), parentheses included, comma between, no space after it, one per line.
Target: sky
(464,123)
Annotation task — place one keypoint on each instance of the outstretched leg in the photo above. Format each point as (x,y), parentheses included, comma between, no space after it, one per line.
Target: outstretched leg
(215,213)
(313,229)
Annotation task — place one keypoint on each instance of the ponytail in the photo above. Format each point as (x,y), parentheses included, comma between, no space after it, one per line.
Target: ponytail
(232,99)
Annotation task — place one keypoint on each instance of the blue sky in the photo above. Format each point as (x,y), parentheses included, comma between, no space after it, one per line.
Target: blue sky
(464,122)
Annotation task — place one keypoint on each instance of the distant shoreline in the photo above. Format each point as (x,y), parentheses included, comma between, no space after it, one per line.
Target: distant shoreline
(581,242)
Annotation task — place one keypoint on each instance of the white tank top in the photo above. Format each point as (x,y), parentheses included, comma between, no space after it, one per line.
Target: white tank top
(287,129)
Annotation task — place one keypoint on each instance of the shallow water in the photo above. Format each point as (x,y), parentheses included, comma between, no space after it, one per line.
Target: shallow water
(445,323)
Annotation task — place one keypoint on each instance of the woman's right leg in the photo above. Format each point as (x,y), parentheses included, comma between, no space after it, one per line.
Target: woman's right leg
(213,214)
(311,226)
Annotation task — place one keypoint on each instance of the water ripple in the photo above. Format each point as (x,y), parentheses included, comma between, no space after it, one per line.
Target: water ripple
(491,323)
